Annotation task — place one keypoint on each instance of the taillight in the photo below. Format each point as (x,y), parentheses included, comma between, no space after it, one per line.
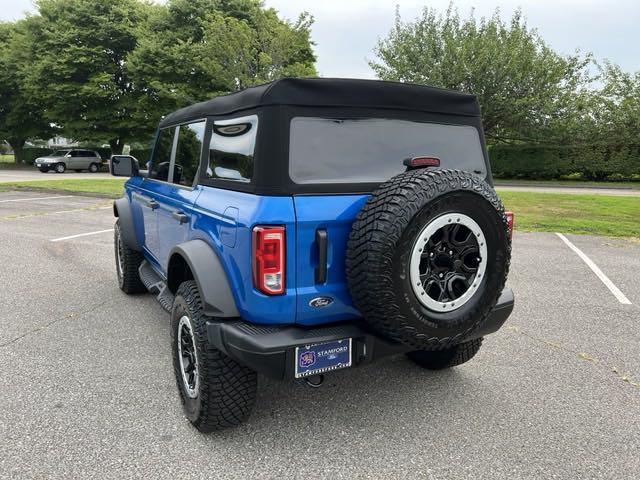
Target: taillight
(510,222)
(269,259)
(419,162)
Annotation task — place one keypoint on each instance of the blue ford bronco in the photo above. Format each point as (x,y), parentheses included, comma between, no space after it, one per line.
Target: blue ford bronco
(308,225)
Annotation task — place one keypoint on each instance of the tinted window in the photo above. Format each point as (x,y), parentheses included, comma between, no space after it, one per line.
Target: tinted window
(188,151)
(75,153)
(325,150)
(231,149)
(159,163)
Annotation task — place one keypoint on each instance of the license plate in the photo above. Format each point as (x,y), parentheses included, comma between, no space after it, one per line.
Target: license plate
(322,357)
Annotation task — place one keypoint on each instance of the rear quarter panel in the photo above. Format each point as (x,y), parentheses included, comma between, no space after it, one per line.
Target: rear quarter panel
(225,219)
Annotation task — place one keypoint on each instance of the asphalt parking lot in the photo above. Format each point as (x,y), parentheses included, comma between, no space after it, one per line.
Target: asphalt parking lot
(87,389)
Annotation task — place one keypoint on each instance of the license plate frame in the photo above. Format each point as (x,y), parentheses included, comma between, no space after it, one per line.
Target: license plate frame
(319,358)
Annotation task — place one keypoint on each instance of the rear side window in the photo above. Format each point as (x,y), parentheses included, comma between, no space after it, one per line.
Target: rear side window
(231,149)
(188,151)
(161,160)
(370,150)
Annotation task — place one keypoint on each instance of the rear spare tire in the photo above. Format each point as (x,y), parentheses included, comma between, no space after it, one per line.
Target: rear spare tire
(428,257)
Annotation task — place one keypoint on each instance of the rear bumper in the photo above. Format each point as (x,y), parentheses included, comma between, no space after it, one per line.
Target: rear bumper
(271,350)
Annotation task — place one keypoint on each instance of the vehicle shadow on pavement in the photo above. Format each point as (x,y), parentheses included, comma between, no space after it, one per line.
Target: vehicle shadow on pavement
(388,395)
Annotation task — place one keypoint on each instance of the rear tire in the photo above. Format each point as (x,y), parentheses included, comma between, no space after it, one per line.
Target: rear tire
(93,168)
(128,262)
(60,168)
(451,357)
(216,391)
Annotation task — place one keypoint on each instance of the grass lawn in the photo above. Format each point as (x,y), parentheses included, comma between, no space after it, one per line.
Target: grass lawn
(566,183)
(111,187)
(7,162)
(614,216)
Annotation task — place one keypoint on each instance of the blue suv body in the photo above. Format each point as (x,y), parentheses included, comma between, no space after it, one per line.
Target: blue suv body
(247,210)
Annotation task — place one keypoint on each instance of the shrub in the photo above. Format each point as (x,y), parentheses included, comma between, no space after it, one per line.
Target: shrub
(29,154)
(541,162)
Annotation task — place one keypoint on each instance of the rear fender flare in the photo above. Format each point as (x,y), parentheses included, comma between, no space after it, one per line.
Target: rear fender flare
(122,210)
(210,277)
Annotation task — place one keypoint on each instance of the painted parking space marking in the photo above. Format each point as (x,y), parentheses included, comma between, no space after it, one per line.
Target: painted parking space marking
(106,207)
(599,273)
(34,198)
(81,209)
(90,208)
(62,239)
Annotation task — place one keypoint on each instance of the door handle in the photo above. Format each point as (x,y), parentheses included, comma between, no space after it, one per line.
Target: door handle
(146,201)
(181,217)
(321,269)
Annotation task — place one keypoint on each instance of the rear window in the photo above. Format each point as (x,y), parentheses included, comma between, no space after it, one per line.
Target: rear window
(231,149)
(370,150)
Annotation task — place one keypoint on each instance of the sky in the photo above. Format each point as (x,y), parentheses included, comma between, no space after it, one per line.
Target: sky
(346,31)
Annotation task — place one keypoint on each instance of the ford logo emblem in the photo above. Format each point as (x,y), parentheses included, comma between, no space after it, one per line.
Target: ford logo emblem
(320,302)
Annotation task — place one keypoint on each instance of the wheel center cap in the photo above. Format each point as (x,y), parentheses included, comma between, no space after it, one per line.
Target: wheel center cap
(442,260)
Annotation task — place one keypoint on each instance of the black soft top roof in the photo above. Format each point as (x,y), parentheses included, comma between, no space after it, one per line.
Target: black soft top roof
(333,92)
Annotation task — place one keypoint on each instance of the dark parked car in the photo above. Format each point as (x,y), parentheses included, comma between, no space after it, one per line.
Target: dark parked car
(308,225)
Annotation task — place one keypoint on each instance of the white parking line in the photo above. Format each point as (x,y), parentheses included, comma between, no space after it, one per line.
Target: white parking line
(86,209)
(608,283)
(34,198)
(61,239)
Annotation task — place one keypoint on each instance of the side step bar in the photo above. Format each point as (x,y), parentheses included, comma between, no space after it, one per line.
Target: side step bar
(156,285)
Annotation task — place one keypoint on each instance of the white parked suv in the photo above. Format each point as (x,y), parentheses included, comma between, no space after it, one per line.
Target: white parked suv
(61,160)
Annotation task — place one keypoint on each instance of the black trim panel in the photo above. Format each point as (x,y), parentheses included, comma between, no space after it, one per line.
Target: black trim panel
(122,210)
(210,277)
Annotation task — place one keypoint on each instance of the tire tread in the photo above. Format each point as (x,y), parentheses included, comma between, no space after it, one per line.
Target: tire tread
(227,389)
(130,282)
(451,357)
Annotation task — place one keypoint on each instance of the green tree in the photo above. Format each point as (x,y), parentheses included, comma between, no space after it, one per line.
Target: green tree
(525,89)
(21,118)
(78,54)
(192,50)
(617,105)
